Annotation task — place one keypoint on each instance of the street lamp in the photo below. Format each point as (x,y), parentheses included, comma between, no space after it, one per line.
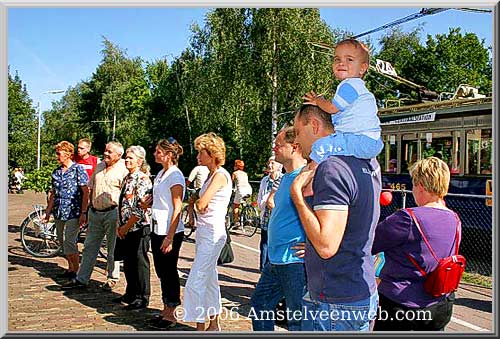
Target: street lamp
(54,91)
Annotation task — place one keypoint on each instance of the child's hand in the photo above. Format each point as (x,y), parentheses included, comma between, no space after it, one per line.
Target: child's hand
(310,98)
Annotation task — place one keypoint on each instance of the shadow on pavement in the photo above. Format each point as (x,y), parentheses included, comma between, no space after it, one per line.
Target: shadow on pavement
(480,305)
(92,296)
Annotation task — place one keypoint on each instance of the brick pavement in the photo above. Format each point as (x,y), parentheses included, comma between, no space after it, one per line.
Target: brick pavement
(36,303)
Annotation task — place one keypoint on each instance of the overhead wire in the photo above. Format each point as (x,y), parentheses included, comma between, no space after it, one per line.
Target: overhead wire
(423,12)
(475,10)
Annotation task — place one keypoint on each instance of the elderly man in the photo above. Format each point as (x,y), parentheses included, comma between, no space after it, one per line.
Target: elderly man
(284,274)
(105,185)
(273,171)
(339,220)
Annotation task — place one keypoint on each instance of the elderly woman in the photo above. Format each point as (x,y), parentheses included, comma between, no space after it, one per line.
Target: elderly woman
(68,203)
(133,230)
(168,229)
(401,289)
(202,293)
(242,188)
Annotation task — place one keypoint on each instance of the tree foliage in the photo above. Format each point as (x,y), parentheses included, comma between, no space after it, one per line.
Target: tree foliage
(22,125)
(243,67)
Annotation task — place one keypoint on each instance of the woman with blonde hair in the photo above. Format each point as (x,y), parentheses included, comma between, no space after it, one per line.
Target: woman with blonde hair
(167,228)
(202,297)
(68,201)
(401,289)
(242,188)
(133,230)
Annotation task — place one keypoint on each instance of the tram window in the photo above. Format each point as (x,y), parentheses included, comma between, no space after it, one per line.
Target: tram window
(387,158)
(444,145)
(409,151)
(473,151)
(479,151)
(486,151)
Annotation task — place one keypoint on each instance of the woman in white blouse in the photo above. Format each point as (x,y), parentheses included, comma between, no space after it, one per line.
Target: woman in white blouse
(202,297)
(167,228)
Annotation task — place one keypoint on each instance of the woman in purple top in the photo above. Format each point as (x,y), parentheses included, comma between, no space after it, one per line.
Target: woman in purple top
(404,304)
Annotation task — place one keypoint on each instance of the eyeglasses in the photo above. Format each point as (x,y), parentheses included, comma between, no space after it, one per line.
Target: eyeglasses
(171,140)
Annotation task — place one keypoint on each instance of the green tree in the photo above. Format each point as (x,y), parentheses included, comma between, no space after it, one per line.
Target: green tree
(441,64)
(251,64)
(63,122)
(114,101)
(22,125)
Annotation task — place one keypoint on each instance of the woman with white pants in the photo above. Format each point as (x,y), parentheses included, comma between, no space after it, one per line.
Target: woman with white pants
(202,297)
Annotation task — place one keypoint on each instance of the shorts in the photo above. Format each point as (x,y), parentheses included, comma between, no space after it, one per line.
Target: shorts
(67,234)
(239,196)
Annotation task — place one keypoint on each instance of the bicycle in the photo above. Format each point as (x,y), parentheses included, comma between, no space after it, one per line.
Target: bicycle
(39,238)
(188,228)
(249,219)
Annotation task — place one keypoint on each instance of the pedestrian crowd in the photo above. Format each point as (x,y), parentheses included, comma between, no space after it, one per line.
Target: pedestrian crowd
(319,217)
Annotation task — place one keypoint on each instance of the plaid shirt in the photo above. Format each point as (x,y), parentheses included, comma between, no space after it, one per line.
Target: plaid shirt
(271,184)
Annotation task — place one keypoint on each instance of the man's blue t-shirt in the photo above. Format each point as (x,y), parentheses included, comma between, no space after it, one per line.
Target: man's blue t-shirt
(284,229)
(350,184)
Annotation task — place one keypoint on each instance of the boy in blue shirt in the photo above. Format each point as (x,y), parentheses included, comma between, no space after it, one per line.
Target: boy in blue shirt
(353,108)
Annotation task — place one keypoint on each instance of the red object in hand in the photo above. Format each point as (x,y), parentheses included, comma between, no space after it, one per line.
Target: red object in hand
(385,198)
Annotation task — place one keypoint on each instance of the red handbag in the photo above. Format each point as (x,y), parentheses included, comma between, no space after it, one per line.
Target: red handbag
(446,277)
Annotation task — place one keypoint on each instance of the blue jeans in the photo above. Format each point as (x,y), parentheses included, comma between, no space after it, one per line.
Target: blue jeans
(276,282)
(353,316)
(263,249)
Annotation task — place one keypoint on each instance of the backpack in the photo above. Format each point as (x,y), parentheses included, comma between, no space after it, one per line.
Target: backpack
(446,277)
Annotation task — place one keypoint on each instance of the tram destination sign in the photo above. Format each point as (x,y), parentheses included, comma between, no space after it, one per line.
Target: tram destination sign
(413,119)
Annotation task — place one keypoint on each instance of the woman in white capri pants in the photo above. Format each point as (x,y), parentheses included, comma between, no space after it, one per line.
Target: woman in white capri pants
(202,293)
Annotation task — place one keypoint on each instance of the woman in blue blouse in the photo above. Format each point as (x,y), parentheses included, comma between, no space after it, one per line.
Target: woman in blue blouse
(68,201)
(133,230)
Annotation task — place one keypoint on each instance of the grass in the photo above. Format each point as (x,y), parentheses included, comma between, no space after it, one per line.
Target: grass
(477,279)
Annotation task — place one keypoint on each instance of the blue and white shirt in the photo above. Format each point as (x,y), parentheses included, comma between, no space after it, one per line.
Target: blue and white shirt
(357,109)
(67,195)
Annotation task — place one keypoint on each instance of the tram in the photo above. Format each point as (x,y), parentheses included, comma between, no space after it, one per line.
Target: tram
(459,131)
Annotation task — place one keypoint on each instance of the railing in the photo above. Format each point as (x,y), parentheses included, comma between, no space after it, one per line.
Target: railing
(476,216)
(475,212)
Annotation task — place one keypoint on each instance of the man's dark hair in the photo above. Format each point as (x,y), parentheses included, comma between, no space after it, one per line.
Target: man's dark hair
(289,134)
(306,111)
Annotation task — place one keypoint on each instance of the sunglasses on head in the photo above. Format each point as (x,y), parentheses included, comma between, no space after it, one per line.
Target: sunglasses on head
(171,140)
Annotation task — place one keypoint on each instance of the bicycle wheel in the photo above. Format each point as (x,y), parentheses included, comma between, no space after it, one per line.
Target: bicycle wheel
(249,220)
(38,238)
(188,228)
(229,217)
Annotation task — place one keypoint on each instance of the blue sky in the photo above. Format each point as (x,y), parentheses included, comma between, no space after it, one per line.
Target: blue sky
(55,48)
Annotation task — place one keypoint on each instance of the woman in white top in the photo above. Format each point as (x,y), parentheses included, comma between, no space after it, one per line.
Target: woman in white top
(167,227)
(202,293)
(242,187)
